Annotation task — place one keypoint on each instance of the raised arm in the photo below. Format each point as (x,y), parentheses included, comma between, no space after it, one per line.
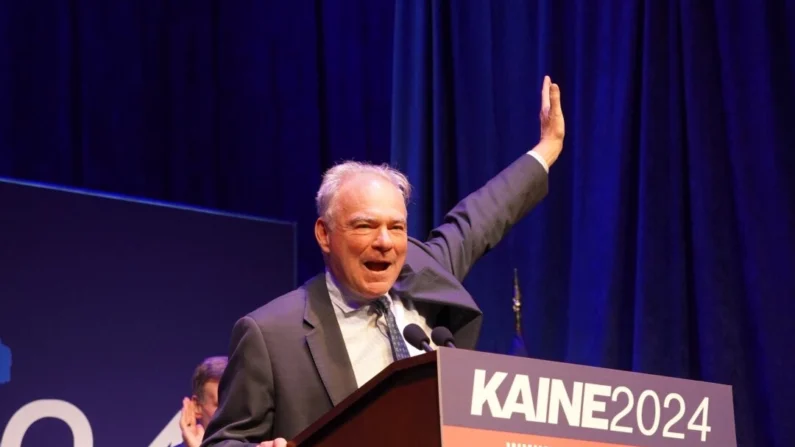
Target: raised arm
(479,221)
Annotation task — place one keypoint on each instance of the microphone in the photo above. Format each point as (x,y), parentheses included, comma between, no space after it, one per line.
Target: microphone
(443,337)
(417,337)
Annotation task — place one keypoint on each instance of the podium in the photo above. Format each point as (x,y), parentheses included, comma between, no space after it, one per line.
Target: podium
(456,398)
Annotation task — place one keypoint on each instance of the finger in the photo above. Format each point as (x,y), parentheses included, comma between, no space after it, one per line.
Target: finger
(545,100)
(183,417)
(279,442)
(554,97)
(266,444)
(190,414)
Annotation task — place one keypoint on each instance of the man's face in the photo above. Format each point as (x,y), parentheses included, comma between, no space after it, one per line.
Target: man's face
(366,243)
(206,406)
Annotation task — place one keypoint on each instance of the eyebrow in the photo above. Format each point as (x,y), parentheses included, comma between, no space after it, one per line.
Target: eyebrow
(370,220)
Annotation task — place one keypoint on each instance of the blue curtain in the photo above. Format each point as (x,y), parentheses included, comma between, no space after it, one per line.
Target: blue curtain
(231,105)
(667,242)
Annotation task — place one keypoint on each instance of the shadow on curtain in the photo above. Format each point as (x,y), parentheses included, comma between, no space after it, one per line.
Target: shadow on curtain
(667,242)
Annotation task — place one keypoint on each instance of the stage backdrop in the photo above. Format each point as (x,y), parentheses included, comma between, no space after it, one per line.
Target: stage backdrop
(666,244)
(107,305)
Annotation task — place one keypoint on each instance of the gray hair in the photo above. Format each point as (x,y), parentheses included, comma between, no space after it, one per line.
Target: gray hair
(336,176)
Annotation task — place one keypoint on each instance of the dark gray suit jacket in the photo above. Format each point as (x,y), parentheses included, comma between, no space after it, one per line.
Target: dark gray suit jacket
(288,364)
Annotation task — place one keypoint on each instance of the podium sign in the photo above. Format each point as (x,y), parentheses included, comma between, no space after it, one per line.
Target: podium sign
(489,399)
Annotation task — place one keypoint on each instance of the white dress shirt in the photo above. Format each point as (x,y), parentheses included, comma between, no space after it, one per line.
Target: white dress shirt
(540,160)
(365,334)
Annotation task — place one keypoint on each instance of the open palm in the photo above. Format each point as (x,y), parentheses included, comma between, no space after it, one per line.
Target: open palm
(192,431)
(553,125)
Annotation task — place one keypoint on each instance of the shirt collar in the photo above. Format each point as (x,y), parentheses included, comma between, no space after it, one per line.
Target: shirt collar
(345,300)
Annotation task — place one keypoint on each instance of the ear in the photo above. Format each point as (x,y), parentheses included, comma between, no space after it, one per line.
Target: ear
(322,235)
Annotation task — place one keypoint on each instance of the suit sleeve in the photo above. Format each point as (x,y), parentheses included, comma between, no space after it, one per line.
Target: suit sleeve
(479,221)
(245,392)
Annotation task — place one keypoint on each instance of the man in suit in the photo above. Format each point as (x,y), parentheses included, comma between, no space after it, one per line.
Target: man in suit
(296,357)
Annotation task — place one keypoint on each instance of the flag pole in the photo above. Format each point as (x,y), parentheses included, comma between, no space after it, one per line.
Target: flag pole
(517,303)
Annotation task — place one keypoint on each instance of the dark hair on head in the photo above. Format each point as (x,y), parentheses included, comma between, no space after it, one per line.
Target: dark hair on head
(211,368)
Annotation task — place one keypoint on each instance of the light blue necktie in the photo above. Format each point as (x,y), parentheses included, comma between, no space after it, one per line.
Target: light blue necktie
(399,349)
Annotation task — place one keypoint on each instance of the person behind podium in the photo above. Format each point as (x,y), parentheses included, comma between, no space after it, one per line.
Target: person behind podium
(302,353)
(198,409)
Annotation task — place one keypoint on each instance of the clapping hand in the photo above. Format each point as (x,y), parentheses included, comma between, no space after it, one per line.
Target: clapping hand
(192,432)
(278,442)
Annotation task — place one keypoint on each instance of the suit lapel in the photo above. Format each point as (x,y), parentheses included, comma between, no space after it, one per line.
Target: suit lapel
(326,343)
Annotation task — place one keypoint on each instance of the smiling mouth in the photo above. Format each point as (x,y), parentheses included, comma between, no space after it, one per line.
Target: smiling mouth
(377,266)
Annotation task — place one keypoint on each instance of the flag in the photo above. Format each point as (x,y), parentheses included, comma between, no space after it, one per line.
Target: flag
(5,363)
(517,343)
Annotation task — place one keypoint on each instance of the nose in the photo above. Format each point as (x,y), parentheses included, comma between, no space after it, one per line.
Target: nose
(383,242)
